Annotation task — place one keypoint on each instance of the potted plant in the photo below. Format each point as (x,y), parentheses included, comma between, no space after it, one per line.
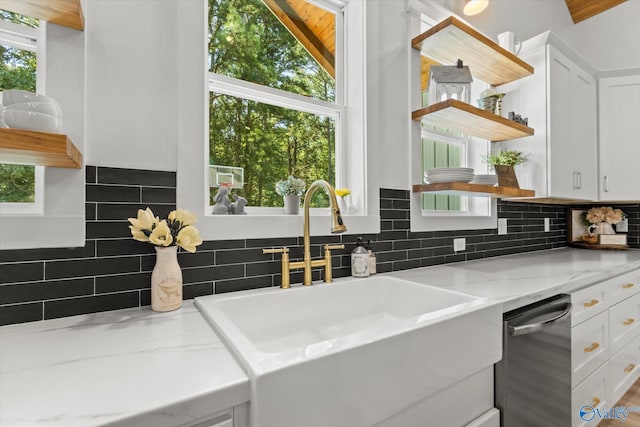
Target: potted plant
(291,189)
(503,163)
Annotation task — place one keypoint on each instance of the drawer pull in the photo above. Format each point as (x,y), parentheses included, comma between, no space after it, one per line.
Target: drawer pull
(628,321)
(630,367)
(595,402)
(591,303)
(628,286)
(592,347)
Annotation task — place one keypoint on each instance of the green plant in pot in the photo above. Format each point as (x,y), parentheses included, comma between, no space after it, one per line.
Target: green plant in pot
(291,189)
(503,163)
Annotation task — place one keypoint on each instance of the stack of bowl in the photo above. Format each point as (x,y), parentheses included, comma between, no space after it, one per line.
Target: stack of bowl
(22,109)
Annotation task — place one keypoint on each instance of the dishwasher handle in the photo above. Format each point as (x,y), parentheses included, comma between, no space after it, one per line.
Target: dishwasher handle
(535,327)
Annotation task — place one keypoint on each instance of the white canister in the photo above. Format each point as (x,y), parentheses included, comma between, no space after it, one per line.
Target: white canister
(507,40)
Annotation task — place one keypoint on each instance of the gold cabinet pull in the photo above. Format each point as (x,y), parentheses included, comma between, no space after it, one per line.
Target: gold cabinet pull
(630,367)
(628,286)
(628,321)
(591,303)
(592,347)
(595,402)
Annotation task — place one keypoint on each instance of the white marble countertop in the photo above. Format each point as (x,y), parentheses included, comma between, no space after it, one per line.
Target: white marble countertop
(128,367)
(518,280)
(139,368)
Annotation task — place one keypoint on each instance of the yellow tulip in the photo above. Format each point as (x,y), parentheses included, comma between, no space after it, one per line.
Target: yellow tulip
(183,216)
(188,238)
(343,192)
(138,234)
(145,220)
(161,235)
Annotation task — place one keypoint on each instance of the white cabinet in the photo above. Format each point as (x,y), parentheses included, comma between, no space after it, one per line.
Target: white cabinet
(560,102)
(605,343)
(619,123)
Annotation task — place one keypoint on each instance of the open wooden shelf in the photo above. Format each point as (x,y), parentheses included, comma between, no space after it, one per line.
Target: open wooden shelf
(454,114)
(466,189)
(38,148)
(67,13)
(452,39)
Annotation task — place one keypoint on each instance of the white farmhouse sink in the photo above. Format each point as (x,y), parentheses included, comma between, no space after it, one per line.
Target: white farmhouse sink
(353,352)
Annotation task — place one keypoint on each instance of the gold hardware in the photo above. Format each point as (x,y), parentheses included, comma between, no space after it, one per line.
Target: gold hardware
(592,347)
(628,321)
(285,280)
(337,226)
(628,286)
(595,402)
(591,303)
(307,263)
(328,277)
(630,367)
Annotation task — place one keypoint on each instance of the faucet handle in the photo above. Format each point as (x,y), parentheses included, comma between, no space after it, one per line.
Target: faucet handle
(282,250)
(331,247)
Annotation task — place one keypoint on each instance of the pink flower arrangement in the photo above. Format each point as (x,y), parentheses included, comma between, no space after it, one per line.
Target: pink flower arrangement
(604,214)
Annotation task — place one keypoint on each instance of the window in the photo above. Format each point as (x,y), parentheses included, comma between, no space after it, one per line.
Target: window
(275,91)
(20,185)
(196,85)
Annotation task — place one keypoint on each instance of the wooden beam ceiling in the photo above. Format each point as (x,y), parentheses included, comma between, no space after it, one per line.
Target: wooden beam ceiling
(585,9)
(313,27)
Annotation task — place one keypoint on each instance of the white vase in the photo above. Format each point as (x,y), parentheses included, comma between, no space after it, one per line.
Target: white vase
(166,280)
(601,228)
(291,204)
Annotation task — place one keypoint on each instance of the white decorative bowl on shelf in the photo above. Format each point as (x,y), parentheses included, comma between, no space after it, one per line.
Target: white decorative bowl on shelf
(15,96)
(49,108)
(29,120)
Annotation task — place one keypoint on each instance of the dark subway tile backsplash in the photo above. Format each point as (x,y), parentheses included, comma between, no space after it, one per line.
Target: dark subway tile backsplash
(113,271)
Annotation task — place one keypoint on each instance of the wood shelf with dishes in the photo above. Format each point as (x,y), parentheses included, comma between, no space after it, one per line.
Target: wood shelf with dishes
(445,43)
(67,13)
(468,189)
(38,148)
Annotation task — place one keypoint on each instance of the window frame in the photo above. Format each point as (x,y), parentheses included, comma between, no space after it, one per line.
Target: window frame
(193,134)
(27,38)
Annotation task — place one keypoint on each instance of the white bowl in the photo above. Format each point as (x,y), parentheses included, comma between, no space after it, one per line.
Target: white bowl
(30,120)
(49,108)
(15,96)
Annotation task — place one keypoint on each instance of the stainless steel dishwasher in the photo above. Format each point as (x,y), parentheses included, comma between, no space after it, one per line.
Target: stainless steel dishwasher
(533,379)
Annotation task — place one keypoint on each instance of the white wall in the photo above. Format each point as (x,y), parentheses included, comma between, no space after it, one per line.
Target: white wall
(607,41)
(131,83)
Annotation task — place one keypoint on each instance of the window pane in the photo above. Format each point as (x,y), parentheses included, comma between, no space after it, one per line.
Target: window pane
(17,184)
(437,154)
(270,143)
(17,71)
(248,42)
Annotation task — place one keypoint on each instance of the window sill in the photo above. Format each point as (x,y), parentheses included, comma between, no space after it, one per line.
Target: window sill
(225,227)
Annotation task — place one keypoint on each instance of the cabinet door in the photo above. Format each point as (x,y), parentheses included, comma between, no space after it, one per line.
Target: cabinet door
(572,129)
(619,102)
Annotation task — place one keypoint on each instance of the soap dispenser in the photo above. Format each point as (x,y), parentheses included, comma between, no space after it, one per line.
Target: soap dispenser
(360,260)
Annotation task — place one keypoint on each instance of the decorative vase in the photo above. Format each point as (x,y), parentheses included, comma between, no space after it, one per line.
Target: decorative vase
(506,176)
(601,228)
(166,280)
(291,204)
